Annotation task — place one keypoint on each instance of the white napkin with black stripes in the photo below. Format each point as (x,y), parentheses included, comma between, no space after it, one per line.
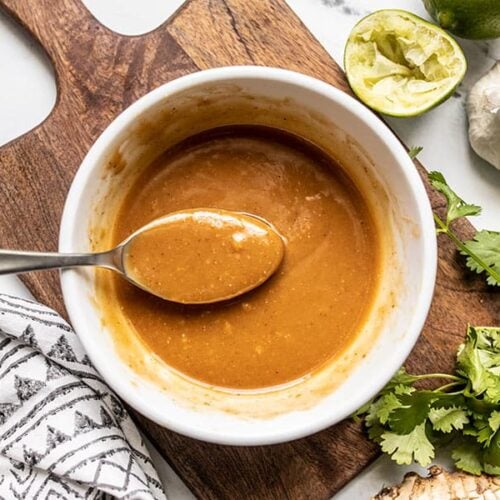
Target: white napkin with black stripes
(63,433)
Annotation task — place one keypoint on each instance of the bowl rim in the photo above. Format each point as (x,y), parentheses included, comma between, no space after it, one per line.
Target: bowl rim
(73,297)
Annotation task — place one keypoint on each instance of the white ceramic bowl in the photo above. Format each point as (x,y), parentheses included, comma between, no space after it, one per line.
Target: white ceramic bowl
(380,166)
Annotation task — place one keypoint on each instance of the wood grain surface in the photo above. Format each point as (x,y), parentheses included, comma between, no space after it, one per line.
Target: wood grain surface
(99,73)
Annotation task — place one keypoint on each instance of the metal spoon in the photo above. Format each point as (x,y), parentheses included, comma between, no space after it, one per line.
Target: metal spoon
(116,259)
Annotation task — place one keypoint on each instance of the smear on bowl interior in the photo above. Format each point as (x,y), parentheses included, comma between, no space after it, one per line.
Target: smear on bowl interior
(309,312)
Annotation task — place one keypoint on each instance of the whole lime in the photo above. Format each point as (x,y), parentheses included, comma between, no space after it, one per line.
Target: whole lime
(475,19)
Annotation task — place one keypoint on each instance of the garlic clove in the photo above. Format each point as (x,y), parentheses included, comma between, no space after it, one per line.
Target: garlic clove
(483,109)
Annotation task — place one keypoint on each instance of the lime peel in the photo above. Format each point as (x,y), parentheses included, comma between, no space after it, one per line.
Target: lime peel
(474,19)
(401,65)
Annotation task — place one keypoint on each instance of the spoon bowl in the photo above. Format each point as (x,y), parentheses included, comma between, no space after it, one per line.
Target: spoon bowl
(201,256)
(198,256)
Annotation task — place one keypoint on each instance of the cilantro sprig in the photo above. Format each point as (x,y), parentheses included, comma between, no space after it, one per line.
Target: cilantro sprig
(409,422)
(483,251)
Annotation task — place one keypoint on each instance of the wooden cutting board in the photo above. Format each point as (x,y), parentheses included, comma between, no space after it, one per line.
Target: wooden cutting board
(99,73)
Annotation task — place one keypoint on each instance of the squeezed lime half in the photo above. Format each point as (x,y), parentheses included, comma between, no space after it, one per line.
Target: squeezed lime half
(400,65)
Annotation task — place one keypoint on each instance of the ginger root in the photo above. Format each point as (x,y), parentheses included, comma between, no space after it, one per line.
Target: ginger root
(443,485)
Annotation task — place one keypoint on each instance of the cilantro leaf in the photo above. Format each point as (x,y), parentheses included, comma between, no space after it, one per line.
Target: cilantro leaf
(467,457)
(363,410)
(486,245)
(375,432)
(481,431)
(470,364)
(456,206)
(488,337)
(413,411)
(403,389)
(479,361)
(478,405)
(494,421)
(400,384)
(414,151)
(389,402)
(491,456)
(401,378)
(448,419)
(446,400)
(404,448)
(493,470)
(371,417)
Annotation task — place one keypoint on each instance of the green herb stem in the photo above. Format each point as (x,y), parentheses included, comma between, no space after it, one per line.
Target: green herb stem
(438,375)
(444,228)
(447,386)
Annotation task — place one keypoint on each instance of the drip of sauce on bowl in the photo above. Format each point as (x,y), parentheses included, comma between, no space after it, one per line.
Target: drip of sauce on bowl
(202,256)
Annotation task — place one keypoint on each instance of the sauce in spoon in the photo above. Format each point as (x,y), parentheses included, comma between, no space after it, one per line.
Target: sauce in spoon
(204,255)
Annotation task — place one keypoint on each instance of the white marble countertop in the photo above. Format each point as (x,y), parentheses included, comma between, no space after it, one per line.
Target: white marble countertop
(28,92)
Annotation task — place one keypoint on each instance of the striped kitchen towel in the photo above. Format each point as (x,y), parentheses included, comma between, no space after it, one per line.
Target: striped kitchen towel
(63,433)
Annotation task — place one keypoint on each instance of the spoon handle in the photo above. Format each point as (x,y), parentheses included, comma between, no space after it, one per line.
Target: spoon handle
(13,261)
